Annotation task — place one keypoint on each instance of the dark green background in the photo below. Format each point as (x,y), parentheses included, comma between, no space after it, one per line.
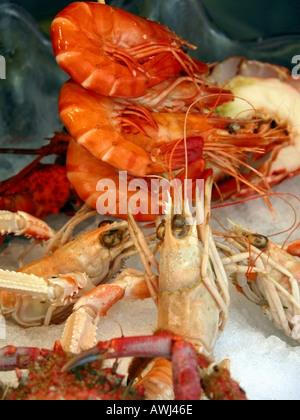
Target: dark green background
(242,19)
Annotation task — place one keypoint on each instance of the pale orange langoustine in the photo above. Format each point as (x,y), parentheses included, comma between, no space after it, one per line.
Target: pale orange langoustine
(266,274)
(115,53)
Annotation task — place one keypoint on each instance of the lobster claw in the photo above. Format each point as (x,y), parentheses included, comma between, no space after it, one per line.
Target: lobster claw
(187,385)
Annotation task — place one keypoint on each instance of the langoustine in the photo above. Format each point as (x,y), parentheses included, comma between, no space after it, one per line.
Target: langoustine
(267,274)
(191,289)
(45,290)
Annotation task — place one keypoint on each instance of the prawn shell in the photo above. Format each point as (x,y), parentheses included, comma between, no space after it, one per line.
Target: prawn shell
(96,45)
(84,171)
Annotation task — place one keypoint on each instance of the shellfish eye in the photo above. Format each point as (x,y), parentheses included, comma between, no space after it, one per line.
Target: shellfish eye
(185,48)
(105,223)
(112,238)
(161,231)
(233,128)
(179,227)
(178,221)
(259,241)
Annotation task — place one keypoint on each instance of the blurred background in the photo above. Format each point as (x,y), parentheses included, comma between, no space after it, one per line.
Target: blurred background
(246,19)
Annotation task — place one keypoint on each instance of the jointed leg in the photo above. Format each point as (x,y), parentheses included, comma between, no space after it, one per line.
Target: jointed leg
(80,330)
(20,223)
(146,256)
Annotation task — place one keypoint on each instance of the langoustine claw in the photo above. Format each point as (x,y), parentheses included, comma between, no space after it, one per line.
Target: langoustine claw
(25,224)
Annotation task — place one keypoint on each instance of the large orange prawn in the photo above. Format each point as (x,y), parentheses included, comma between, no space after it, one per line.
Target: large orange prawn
(119,54)
(84,172)
(130,138)
(133,139)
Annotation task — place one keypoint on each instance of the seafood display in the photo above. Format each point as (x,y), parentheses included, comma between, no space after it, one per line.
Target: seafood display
(116,61)
(139,109)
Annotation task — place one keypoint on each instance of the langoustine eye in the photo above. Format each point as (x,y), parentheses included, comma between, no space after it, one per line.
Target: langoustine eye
(179,227)
(178,221)
(112,238)
(259,241)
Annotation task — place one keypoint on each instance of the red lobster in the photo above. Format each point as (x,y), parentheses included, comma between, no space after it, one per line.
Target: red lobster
(52,375)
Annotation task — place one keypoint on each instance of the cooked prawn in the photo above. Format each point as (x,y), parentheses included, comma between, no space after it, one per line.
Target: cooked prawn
(144,143)
(123,136)
(85,171)
(115,53)
(90,176)
(178,93)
